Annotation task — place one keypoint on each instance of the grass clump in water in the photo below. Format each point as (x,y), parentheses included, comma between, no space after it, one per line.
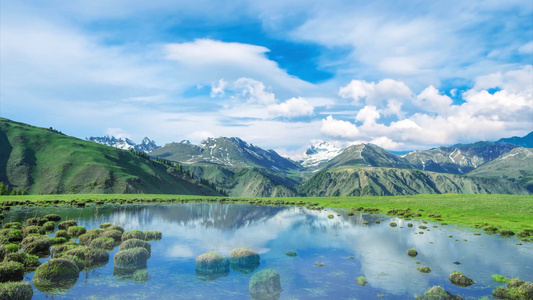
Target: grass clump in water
(76,230)
(424,269)
(152,235)
(20,290)
(361,280)
(291,253)
(11,271)
(141,275)
(265,284)
(459,279)
(412,252)
(66,224)
(134,234)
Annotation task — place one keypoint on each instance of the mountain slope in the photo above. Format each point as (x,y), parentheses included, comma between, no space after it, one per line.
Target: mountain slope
(366,155)
(457,160)
(232,152)
(515,165)
(368,181)
(525,141)
(45,161)
(246,181)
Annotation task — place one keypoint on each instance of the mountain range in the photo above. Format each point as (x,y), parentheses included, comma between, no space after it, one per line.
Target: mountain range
(234,167)
(145,146)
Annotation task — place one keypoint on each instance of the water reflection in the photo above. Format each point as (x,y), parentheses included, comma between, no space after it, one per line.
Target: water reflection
(379,252)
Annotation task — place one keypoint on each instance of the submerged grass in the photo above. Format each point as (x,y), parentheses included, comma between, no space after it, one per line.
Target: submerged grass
(512,212)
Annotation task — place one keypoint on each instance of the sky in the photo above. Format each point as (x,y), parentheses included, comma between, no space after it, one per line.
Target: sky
(281,75)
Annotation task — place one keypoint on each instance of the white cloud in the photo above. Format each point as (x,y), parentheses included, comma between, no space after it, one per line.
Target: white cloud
(375,94)
(338,128)
(293,107)
(219,88)
(118,133)
(526,48)
(368,115)
(255,91)
(430,100)
(483,116)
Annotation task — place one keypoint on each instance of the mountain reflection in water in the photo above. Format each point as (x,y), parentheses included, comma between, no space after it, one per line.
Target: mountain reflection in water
(347,248)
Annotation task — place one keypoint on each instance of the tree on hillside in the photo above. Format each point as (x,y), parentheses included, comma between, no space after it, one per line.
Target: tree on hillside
(4,189)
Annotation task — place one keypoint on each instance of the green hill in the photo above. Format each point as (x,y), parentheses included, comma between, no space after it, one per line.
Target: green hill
(515,166)
(369,181)
(246,181)
(48,162)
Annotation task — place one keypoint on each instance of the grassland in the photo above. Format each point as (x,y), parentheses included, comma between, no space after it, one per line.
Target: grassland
(514,212)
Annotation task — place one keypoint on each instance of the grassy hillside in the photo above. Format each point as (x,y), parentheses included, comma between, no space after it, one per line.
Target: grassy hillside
(515,166)
(246,181)
(45,161)
(368,181)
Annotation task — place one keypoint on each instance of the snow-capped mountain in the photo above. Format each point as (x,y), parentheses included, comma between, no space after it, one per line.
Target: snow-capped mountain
(146,145)
(232,152)
(319,153)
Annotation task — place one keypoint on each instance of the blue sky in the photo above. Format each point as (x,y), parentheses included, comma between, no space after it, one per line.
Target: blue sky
(278,74)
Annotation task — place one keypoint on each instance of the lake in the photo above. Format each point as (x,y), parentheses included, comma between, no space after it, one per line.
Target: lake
(331,252)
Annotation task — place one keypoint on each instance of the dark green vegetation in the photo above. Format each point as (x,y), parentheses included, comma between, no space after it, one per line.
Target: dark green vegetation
(212,263)
(45,161)
(515,289)
(18,290)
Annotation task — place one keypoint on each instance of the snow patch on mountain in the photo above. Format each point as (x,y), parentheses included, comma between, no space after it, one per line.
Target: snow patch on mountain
(146,145)
(318,153)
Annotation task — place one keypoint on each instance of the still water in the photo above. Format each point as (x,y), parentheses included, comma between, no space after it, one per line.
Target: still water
(344,245)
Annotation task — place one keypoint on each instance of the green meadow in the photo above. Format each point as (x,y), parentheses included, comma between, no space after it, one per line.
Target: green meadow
(511,212)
